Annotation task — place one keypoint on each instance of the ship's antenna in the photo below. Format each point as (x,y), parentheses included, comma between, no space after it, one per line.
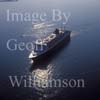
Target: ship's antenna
(61,27)
(64,25)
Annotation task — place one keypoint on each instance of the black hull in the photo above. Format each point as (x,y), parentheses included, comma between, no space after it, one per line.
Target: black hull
(52,51)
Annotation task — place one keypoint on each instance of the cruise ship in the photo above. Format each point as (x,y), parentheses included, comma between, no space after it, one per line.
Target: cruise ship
(44,47)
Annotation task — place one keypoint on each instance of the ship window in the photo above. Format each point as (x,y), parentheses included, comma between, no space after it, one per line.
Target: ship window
(39,47)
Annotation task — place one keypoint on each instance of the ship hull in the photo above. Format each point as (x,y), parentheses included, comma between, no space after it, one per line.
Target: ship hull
(53,50)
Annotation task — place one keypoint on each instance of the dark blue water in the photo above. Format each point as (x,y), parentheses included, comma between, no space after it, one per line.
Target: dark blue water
(79,59)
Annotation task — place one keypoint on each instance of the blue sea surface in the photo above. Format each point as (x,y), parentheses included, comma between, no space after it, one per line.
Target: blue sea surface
(79,59)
